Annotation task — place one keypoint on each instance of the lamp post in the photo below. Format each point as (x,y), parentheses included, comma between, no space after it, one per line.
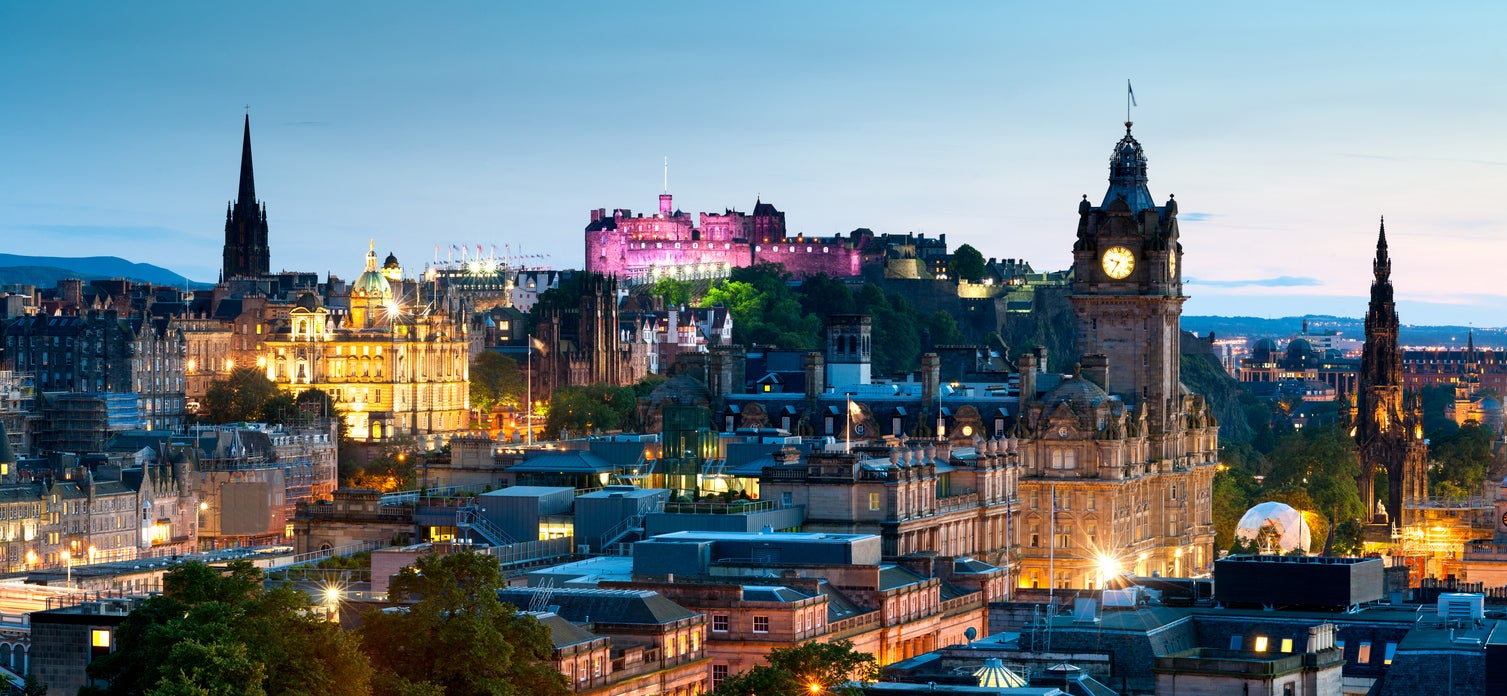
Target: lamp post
(68,567)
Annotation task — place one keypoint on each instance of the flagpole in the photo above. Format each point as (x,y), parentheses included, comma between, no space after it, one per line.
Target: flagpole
(847,419)
(528,405)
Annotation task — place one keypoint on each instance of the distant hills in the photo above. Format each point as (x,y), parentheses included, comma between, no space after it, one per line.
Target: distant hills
(45,271)
(1284,327)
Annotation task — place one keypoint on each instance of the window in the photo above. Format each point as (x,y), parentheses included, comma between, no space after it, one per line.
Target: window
(1363,655)
(1287,689)
(719,623)
(1235,642)
(873,501)
(99,638)
(1391,653)
(760,624)
(719,673)
(787,499)
(1260,643)
(1287,645)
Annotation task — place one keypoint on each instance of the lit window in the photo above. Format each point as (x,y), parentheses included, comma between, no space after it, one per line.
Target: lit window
(1363,655)
(1287,645)
(100,638)
(873,501)
(1260,643)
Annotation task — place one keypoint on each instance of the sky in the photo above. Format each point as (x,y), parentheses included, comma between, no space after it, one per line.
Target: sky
(1286,130)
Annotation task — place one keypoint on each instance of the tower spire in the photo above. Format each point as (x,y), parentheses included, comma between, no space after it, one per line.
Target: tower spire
(246,253)
(248,182)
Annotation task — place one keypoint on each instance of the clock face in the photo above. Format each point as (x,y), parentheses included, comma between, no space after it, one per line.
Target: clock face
(1118,262)
(1504,519)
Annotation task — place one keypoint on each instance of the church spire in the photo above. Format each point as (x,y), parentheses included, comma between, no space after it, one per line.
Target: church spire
(248,182)
(246,253)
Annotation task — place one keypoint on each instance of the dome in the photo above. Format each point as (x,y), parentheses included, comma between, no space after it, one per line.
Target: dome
(1291,528)
(1076,391)
(371,284)
(307,301)
(1264,349)
(391,262)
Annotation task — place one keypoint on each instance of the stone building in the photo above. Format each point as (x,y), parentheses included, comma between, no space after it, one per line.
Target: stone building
(642,248)
(1117,462)
(396,365)
(1388,427)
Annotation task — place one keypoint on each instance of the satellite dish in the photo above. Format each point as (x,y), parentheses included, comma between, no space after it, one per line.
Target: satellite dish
(971,633)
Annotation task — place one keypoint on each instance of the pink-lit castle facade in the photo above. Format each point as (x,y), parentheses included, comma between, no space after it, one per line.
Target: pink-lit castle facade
(642,248)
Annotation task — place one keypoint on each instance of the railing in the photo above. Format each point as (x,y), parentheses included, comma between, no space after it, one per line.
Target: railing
(853,623)
(972,600)
(469,518)
(530,551)
(412,497)
(315,556)
(718,508)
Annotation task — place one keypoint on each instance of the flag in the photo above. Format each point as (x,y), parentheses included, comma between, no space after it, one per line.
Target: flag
(1130,93)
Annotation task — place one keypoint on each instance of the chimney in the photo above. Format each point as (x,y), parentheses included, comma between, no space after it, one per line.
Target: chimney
(816,377)
(1041,357)
(1027,364)
(1096,369)
(931,377)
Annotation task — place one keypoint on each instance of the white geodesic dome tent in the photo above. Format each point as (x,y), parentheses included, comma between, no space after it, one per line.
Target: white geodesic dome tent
(1292,530)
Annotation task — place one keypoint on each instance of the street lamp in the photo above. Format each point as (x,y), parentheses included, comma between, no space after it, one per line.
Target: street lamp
(68,565)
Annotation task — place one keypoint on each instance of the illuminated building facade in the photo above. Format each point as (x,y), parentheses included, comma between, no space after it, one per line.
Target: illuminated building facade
(395,361)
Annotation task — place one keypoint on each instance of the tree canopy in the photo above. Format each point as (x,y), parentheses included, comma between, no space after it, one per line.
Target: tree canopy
(968,264)
(591,407)
(244,395)
(830,667)
(456,638)
(213,632)
(496,381)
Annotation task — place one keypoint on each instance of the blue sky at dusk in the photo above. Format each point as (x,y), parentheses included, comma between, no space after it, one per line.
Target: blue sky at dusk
(1284,129)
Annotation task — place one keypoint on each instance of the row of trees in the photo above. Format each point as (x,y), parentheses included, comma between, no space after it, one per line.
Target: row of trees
(225,633)
(768,309)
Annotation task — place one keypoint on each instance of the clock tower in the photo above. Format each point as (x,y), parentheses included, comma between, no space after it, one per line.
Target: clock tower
(1127,291)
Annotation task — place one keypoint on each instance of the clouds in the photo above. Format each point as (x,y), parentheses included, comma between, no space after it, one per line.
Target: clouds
(1284,281)
(1194,217)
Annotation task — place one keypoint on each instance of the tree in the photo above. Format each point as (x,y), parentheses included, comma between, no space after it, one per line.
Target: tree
(968,264)
(1460,460)
(241,396)
(495,381)
(456,638)
(1320,463)
(591,407)
(213,632)
(673,291)
(829,667)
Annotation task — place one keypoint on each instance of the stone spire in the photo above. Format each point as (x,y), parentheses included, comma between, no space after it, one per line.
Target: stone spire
(246,250)
(248,182)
